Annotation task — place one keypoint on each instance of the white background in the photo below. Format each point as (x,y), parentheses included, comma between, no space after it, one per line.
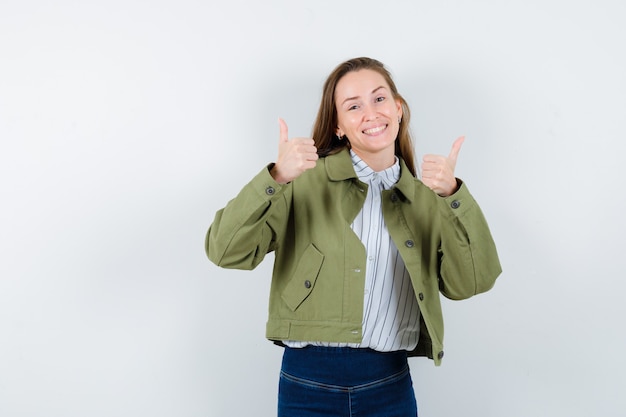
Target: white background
(125,125)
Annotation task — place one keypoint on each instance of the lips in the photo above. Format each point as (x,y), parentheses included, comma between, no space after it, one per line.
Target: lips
(375,130)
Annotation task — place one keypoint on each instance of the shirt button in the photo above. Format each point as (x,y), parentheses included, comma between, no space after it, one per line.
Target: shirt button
(409,243)
(421,296)
(455,204)
(307,284)
(270,190)
(394,197)
(357,270)
(440,355)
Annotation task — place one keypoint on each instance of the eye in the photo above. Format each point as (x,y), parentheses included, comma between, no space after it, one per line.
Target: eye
(381,98)
(353,107)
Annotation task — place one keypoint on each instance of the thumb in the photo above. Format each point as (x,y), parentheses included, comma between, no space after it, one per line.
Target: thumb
(284,131)
(456,148)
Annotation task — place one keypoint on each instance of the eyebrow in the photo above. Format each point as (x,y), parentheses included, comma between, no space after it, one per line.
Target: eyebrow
(356,97)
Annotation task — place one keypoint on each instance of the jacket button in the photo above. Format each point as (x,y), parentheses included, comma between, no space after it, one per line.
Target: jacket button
(270,190)
(421,296)
(394,197)
(307,284)
(455,204)
(440,355)
(409,243)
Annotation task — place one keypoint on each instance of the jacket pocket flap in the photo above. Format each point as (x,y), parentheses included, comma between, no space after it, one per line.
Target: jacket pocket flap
(303,280)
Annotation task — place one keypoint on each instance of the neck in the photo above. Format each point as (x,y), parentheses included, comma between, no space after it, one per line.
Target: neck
(378,161)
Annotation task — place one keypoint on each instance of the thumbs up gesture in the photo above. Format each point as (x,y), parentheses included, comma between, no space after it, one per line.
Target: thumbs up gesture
(294,156)
(438,171)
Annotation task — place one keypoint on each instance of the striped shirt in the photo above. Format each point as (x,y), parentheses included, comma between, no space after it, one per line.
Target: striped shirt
(390,309)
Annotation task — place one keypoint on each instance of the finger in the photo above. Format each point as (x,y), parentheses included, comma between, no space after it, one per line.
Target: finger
(303,141)
(430,158)
(456,148)
(284,131)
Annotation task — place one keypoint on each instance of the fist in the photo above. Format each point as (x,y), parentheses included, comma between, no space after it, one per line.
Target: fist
(294,156)
(438,170)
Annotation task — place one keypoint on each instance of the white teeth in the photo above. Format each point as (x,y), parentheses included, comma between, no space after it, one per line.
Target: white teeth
(375,130)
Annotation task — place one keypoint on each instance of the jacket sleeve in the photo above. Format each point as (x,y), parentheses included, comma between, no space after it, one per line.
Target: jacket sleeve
(242,233)
(469,263)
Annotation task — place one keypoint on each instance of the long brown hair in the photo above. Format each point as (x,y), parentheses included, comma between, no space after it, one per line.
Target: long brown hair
(325,126)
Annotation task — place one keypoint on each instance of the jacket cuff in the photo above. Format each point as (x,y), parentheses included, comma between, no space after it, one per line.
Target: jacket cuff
(265,185)
(458,203)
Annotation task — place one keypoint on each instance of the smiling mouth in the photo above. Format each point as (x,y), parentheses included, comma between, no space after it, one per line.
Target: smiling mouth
(375,130)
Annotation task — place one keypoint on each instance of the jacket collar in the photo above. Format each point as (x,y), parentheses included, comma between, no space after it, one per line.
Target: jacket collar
(406,183)
(339,168)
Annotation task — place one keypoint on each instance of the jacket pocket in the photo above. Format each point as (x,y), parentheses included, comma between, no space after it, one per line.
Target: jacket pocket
(303,280)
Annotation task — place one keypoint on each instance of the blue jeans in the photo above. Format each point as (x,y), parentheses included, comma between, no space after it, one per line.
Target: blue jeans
(319,381)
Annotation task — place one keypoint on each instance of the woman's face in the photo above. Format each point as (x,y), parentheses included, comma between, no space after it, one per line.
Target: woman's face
(367,114)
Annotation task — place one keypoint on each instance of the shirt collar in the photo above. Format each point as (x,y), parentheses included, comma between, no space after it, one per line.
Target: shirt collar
(339,167)
(388,177)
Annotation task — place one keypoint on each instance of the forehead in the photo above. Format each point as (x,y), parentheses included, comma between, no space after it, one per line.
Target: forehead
(359,83)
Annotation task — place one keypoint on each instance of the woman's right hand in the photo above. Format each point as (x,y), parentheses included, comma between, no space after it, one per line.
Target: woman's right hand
(294,156)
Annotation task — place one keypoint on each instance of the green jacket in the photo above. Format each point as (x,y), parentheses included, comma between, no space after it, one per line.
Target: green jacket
(319,267)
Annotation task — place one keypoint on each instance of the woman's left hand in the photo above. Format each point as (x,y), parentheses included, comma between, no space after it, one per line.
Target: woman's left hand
(438,170)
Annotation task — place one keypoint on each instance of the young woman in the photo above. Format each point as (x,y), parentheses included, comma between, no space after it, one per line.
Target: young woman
(362,249)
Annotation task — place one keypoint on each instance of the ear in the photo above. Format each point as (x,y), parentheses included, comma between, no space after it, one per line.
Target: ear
(338,131)
(399,107)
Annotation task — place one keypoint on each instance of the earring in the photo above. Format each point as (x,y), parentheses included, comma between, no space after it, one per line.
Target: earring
(399,119)
(339,137)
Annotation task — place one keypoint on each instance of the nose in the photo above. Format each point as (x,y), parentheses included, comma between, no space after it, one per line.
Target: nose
(369,112)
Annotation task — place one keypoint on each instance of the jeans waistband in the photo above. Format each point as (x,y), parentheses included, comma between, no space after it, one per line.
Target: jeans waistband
(342,366)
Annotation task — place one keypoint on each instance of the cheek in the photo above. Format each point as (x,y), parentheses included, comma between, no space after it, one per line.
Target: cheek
(346,122)
(395,111)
